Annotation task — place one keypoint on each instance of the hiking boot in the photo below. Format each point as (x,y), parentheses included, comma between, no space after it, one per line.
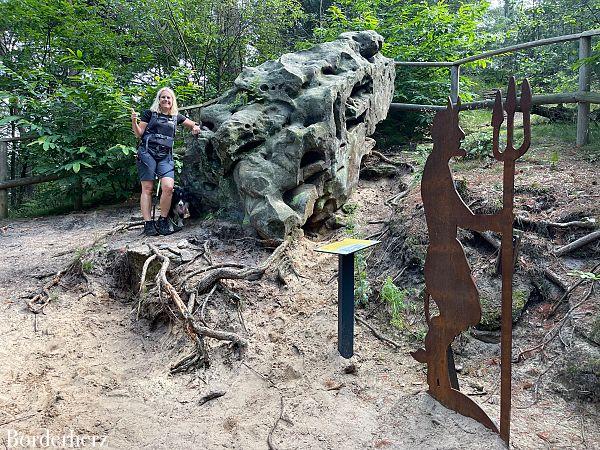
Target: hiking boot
(150,228)
(162,226)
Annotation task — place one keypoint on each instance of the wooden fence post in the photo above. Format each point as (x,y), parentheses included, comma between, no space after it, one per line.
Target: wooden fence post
(583,108)
(3,176)
(454,82)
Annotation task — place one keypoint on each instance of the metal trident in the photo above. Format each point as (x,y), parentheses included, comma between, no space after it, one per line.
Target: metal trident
(509,156)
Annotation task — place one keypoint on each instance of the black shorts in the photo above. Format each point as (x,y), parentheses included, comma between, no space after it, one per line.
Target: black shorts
(150,168)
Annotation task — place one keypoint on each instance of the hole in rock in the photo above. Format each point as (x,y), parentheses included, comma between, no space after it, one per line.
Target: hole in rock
(365,86)
(208,124)
(310,157)
(249,146)
(337,116)
(211,155)
(354,122)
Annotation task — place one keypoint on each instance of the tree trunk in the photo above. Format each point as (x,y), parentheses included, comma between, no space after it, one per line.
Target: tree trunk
(78,193)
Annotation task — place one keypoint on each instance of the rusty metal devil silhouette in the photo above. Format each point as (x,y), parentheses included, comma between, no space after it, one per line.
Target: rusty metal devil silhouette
(448,279)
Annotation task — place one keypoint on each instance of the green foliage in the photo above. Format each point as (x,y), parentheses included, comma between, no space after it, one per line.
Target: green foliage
(362,286)
(87,266)
(395,298)
(350,208)
(350,224)
(70,70)
(554,159)
(421,154)
(478,145)
(588,276)
(413,31)
(550,68)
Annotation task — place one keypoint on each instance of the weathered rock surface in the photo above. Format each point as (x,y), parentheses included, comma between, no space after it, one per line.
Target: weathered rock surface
(285,144)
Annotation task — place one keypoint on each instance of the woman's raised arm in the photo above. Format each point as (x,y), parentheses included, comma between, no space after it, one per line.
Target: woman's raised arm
(137,127)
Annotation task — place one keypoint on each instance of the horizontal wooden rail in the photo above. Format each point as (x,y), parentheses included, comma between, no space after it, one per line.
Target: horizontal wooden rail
(548,99)
(500,51)
(8,184)
(583,97)
(18,138)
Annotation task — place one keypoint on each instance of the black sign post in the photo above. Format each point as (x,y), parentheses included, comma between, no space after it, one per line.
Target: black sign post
(345,250)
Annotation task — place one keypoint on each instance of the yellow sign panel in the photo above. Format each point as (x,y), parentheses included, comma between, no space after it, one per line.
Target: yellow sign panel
(347,246)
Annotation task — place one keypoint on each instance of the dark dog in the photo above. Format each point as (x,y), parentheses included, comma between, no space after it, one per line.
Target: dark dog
(179,208)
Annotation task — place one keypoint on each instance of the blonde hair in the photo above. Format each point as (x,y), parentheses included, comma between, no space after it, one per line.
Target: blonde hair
(156,105)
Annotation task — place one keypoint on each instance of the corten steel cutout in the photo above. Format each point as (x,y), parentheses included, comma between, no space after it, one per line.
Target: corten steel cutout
(448,279)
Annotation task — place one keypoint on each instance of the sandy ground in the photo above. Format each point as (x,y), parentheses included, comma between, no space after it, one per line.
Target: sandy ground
(88,365)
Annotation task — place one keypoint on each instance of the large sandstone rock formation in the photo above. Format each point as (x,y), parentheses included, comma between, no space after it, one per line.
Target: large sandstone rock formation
(285,144)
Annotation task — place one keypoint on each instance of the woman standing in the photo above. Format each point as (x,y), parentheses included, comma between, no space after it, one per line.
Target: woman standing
(156,129)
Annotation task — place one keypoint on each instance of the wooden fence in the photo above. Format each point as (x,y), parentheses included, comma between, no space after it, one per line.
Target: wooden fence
(583,97)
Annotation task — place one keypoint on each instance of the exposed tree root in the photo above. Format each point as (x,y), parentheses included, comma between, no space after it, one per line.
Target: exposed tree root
(196,333)
(538,224)
(568,292)
(385,159)
(377,334)
(195,283)
(555,331)
(393,200)
(232,271)
(270,436)
(37,303)
(495,243)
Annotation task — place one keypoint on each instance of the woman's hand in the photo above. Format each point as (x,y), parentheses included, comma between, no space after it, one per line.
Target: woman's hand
(138,128)
(196,129)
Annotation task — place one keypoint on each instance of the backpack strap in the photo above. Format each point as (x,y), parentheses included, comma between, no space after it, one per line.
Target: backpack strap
(175,125)
(146,136)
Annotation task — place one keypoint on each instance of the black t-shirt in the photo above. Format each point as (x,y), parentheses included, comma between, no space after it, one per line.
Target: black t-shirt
(161,126)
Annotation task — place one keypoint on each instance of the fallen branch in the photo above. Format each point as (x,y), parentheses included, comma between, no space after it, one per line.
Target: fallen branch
(556,279)
(577,244)
(210,396)
(376,333)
